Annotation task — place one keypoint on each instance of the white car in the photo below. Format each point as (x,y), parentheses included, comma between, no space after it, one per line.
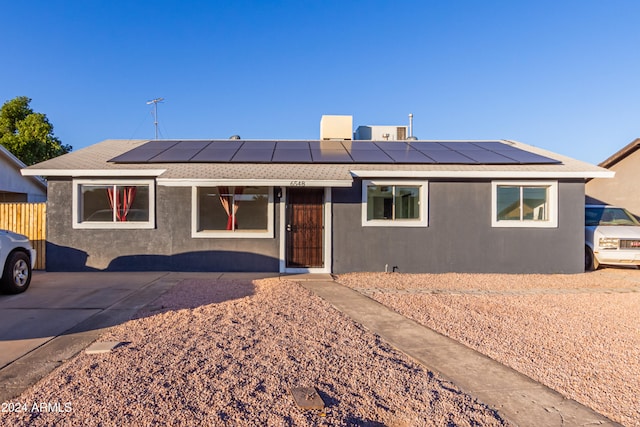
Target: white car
(612,236)
(17,259)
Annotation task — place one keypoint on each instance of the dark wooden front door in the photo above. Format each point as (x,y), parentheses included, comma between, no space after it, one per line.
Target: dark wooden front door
(305,227)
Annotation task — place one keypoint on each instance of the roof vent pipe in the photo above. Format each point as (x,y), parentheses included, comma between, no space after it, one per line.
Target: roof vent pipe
(235,137)
(411,137)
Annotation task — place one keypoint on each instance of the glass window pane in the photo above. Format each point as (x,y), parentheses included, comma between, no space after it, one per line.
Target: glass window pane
(95,204)
(233,208)
(133,203)
(534,203)
(407,202)
(251,208)
(212,215)
(379,202)
(508,199)
(128,203)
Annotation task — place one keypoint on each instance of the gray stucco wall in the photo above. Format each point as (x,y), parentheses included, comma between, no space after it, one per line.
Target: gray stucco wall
(459,237)
(168,247)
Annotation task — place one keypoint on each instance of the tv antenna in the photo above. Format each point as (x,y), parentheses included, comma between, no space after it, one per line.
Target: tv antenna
(155,112)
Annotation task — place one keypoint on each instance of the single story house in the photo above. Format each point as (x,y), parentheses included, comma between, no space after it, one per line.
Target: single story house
(623,190)
(16,188)
(316,206)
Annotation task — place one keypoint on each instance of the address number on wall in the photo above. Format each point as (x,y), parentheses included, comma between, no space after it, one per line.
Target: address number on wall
(297,184)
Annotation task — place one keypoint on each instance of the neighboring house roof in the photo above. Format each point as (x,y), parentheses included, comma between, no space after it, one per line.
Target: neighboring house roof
(19,165)
(621,154)
(95,161)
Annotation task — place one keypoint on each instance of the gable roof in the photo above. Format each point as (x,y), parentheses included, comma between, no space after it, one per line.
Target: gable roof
(621,154)
(96,160)
(19,165)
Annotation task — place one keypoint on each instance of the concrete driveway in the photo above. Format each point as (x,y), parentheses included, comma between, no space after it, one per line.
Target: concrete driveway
(58,303)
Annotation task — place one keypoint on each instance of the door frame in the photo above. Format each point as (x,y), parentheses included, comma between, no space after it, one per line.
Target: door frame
(327,254)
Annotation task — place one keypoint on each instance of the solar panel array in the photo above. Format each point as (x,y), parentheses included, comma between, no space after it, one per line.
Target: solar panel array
(399,152)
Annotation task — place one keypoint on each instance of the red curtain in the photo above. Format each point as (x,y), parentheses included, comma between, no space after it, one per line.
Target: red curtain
(121,201)
(230,205)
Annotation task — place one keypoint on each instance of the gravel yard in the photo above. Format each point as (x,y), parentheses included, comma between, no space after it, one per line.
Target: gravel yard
(226,353)
(578,334)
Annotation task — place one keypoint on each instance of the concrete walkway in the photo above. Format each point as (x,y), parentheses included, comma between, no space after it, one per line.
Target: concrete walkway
(517,397)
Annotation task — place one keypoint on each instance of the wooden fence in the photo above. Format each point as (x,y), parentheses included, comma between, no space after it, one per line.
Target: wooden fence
(29,219)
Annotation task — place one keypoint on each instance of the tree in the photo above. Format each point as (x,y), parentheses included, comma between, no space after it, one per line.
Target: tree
(27,134)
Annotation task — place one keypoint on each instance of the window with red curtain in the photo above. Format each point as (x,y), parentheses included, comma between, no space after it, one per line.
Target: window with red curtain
(115,203)
(120,200)
(233,209)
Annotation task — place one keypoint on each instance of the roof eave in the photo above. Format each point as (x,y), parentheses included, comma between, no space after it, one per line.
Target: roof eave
(74,173)
(482,174)
(621,154)
(187,182)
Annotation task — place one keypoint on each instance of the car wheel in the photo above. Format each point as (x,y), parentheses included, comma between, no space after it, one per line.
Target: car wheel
(590,261)
(16,276)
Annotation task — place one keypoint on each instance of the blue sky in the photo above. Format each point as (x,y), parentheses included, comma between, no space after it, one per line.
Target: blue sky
(561,75)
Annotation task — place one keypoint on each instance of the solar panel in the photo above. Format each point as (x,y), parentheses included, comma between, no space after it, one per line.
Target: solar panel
(181,152)
(415,152)
(326,145)
(292,152)
(187,145)
(145,152)
(448,156)
(136,156)
(330,156)
(259,145)
(212,155)
(352,146)
(409,156)
(248,151)
(163,145)
(431,146)
(402,152)
(213,145)
(524,157)
(175,156)
(486,157)
(295,155)
(517,155)
(292,145)
(494,145)
(216,151)
(329,152)
(245,155)
(370,156)
(393,146)
(460,145)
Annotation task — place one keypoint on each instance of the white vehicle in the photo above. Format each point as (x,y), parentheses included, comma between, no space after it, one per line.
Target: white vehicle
(612,236)
(17,259)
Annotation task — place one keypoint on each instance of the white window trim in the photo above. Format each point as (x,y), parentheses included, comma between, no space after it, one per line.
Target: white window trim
(552,222)
(209,234)
(423,221)
(128,225)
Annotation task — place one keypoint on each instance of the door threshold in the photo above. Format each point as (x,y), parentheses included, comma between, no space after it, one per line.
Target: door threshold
(307,277)
(305,270)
